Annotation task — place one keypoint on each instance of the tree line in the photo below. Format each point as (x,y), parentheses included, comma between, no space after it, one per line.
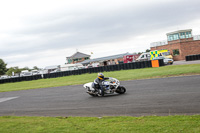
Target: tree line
(8,71)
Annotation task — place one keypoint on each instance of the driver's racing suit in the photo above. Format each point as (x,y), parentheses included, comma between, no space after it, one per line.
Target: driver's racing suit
(98,83)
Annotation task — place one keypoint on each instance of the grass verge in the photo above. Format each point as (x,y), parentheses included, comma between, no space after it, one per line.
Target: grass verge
(133,74)
(121,124)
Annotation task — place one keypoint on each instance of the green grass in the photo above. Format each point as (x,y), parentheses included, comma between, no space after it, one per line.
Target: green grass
(133,74)
(121,124)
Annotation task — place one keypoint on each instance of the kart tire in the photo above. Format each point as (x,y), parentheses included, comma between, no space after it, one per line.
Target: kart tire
(92,95)
(121,90)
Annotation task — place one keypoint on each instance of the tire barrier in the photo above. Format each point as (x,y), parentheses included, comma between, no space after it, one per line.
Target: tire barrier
(123,66)
(19,79)
(192,57)
(161,62)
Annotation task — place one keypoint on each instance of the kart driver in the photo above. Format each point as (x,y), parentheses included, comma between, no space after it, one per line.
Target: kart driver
(98,81)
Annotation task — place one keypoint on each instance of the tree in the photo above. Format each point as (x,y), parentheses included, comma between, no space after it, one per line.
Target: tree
(3,68)
(13,69)
(147,50)
(35,68)
(26,68)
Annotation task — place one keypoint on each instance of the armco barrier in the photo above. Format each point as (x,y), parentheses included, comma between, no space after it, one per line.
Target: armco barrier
(192,57)
(123,66)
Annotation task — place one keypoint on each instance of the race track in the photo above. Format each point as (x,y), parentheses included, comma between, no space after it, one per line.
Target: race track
(164,96)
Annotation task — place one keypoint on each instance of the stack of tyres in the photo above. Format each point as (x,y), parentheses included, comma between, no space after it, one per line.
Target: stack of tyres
(195,57)
(117,67)
(109,68)
(114,67)
(129,65)
(192,57)
(101,69)
(84,70)
(138,65)
(146,64)
(198,57)
(121,67)
(149,64)
(161,62)
(134,65)
(186,58)
(94,70)
(125,66)
(142,64)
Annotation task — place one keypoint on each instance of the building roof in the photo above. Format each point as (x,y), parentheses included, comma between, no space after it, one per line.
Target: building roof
(78,55)
(52,67)
(179,31)
(104,58)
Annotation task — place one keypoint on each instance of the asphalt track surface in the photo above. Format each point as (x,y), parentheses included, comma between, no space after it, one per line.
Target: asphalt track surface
(163,96)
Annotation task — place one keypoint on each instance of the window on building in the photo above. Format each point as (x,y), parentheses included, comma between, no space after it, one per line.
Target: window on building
(75,59)
(172,37)
(176,36)
(168,38)
(182,35)
(80,59)
(69,61)
(188,34)
(176,52)
(86,58)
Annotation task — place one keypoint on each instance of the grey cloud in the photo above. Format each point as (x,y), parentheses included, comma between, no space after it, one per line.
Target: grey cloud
(100,27)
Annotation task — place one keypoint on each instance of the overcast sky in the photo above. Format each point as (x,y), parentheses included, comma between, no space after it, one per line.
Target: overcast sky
(44,32)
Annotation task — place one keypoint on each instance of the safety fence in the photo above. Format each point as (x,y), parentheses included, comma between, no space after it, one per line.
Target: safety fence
(123,66)
(192,57)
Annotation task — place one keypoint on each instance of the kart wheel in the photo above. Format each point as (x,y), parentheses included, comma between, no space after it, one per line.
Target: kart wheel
(92,95)
(121,90)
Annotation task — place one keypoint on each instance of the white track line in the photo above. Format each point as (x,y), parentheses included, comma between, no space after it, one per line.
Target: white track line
(6,99)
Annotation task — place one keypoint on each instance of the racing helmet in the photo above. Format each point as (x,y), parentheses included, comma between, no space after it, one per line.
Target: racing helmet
(100,76)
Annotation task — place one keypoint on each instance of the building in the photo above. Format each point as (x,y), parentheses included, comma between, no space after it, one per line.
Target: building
(77,57)
(104,61)
(180,44)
